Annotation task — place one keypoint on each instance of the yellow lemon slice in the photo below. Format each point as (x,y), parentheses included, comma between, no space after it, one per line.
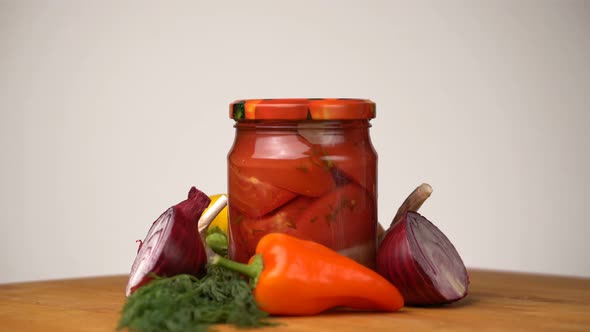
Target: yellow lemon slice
(221,219)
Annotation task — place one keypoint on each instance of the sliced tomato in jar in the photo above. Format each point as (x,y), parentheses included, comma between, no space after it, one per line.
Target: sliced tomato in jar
(341,219)
(252,196)
(285,160)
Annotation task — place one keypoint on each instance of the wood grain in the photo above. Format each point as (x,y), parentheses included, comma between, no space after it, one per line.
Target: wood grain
(498,301)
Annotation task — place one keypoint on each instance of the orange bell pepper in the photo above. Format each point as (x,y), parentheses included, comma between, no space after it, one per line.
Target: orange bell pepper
(291,276)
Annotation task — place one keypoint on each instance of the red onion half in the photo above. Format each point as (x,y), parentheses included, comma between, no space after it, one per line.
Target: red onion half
(421,262)
(173,245)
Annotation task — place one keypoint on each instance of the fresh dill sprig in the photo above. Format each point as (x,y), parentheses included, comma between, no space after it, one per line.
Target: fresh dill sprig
(186,303)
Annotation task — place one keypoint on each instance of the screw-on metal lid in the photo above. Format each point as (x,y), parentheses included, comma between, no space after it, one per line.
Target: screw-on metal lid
(302,109)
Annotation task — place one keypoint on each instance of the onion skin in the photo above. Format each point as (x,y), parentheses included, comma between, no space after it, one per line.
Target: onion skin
(422,263)
(173,245)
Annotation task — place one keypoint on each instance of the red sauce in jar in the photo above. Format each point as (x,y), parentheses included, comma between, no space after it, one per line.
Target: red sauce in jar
(305,167)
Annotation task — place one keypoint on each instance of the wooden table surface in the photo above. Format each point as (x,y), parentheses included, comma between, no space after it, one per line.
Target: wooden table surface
(498,301)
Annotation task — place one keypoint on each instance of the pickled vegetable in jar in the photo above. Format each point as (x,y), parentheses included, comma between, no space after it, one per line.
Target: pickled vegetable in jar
(305,167)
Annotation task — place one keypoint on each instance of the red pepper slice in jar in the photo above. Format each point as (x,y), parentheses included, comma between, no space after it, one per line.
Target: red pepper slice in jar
(248,231)
(353,161)
(236,242)
(341,219)
(285,160)
(252,196)
(348,150)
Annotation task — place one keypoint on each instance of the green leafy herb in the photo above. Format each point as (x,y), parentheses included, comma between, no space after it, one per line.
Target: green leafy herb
(186,303)
(237,220)
(256,231)
(291,224)
(302,168)
(344,203)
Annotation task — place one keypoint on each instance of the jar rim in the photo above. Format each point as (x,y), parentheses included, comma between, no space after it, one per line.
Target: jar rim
(302,109)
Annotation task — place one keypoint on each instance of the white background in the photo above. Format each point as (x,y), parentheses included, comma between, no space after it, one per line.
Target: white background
(110,111)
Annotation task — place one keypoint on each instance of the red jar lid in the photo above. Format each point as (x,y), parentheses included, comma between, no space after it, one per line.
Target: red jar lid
(302,109)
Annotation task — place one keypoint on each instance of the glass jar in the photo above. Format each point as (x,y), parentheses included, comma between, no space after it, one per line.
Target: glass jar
(304,167)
